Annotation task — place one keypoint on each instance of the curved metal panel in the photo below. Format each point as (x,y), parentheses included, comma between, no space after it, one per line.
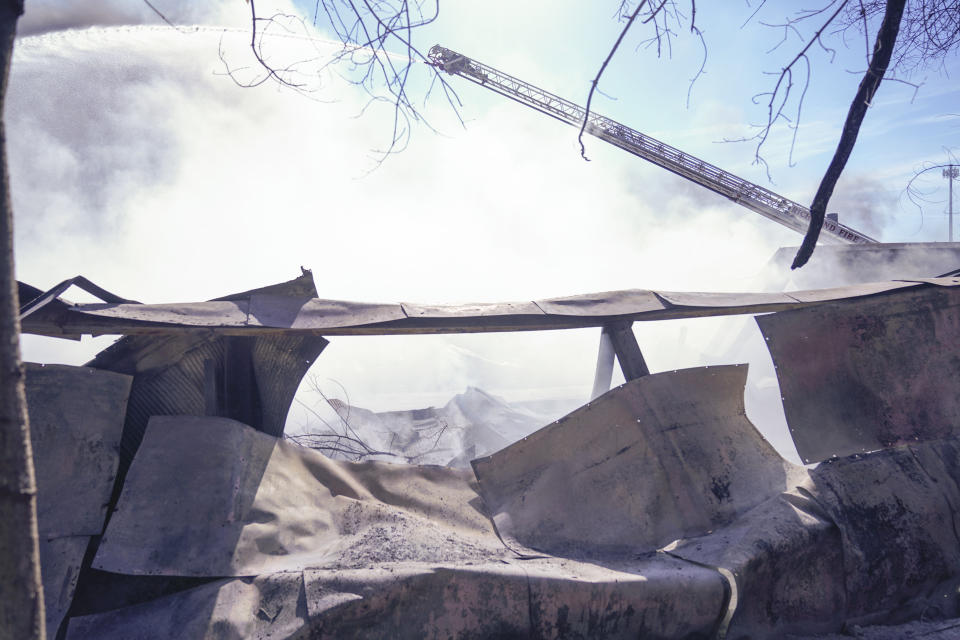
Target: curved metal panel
(897,514)
(865,374)
(664,456)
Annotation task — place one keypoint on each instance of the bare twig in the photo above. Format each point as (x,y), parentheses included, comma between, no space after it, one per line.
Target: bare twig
(603,67)
(368,31)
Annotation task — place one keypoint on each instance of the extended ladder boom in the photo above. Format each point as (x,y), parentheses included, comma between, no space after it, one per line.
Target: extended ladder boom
(752,196)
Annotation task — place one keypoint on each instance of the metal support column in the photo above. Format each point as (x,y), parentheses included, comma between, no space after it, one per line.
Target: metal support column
(618,340)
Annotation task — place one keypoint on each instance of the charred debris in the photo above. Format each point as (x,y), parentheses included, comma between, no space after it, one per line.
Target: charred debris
(170,505)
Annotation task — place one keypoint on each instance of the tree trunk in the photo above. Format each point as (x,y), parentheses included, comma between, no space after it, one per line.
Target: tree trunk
(882,51)
(21,594)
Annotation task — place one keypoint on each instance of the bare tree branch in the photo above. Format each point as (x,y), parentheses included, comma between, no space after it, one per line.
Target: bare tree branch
(377,53)
(603,67)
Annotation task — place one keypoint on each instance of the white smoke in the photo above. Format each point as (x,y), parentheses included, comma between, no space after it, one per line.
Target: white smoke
(136,162)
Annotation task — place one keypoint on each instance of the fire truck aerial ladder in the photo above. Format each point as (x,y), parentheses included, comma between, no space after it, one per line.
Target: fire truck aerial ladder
(752,196)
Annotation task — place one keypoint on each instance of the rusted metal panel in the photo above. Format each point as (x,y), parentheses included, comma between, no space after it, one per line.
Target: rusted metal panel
(300,287)
(665,456)
(951,281)
(655,597)
(868,538)
(212,497)
(860,375)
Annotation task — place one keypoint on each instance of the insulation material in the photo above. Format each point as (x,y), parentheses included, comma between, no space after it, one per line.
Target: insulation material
(664,456)
(76,417)
(867,374)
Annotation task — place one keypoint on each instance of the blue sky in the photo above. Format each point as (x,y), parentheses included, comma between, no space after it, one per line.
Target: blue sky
(136,162)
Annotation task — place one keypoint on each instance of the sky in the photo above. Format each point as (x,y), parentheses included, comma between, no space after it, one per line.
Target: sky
(138,162)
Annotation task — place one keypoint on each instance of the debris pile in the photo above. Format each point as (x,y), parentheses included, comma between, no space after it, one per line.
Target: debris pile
(655,510)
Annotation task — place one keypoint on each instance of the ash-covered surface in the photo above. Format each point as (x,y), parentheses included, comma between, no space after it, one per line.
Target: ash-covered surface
(210,497)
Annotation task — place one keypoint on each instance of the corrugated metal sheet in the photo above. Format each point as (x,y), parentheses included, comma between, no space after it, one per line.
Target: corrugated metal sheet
(279,364)
(168,380)
(252,378)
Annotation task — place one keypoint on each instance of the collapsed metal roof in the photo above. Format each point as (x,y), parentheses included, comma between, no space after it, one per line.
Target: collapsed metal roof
(655,510)
(271,311)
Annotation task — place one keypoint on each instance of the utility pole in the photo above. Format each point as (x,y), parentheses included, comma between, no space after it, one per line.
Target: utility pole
(950,173)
